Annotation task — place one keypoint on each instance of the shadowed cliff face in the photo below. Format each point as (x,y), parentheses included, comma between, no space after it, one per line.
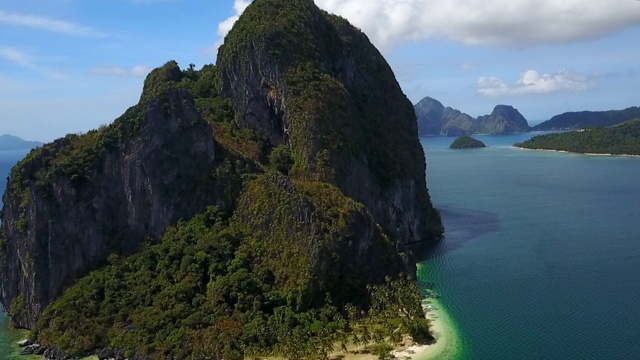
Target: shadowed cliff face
(59,230)
(435,119)
(504,119)
(310,80)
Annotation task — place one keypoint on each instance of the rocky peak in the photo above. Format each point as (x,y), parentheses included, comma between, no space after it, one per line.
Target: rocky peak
(118,186)
(302,77)
(504,119)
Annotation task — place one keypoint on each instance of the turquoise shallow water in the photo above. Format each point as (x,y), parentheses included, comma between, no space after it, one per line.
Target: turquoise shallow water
(542,252)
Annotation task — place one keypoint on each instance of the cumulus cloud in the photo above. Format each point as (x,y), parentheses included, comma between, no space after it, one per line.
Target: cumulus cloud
(225,26)
(138,70)
(238,7)
(532,82)
(519,23)
(47,24)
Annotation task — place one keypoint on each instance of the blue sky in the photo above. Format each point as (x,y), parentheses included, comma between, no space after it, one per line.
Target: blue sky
(68,66)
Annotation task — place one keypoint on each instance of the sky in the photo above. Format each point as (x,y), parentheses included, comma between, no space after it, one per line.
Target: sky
(69,66)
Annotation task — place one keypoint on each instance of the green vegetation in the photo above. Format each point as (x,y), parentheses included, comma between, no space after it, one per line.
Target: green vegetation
(466,142)
(623,139)
(583,119)
(242,282)
(290,266)
(203,292)
(360,121)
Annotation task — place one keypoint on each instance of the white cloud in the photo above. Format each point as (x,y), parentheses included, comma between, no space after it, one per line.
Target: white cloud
(532,82)
(47,24)
(519,23)
(138,70)
(468,66)
(16,56)
(225,26)
(29,62)
(238,7)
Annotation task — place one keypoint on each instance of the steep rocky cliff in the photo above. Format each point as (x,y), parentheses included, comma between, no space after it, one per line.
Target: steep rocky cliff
(504,119)
(71,203)
(435,119)
(297,161)
(328,94)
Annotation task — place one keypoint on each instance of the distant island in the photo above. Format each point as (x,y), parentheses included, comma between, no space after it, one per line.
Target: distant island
(583,119)
(623,139)
(466,142)
(10,142)
(435,119)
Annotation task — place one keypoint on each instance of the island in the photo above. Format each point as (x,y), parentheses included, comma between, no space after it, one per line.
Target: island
(466,142)
(11,142)
(221,216)
(583,119)
(435,119)
(623,139)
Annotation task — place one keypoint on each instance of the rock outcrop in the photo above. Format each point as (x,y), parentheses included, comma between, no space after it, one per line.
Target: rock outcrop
(60,221)
(435,119)
(327,93)
(503,120)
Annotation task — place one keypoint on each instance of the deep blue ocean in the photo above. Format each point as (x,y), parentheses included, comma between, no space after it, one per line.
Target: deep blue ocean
(542,252)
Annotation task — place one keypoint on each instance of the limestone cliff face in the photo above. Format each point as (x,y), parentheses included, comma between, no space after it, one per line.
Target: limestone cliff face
(58,226)
(301,77)
(504,119)
(435,119)
(317,240)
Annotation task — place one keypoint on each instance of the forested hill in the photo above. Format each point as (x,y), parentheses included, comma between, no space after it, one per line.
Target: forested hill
(261,207)
(583,119)
(623,139)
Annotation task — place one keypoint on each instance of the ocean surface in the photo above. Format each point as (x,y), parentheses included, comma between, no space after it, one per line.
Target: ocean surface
(542,252)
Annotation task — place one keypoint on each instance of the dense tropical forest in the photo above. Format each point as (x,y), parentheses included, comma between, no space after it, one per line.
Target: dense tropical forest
(202,292)
(622,139)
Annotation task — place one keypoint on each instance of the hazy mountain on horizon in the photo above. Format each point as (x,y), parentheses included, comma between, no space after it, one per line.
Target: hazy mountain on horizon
(581,119)
(435,119)
(12,142)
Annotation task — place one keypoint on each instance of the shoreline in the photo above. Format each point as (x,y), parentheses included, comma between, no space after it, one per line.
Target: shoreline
(445,346)
(576,153)
(447,343)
